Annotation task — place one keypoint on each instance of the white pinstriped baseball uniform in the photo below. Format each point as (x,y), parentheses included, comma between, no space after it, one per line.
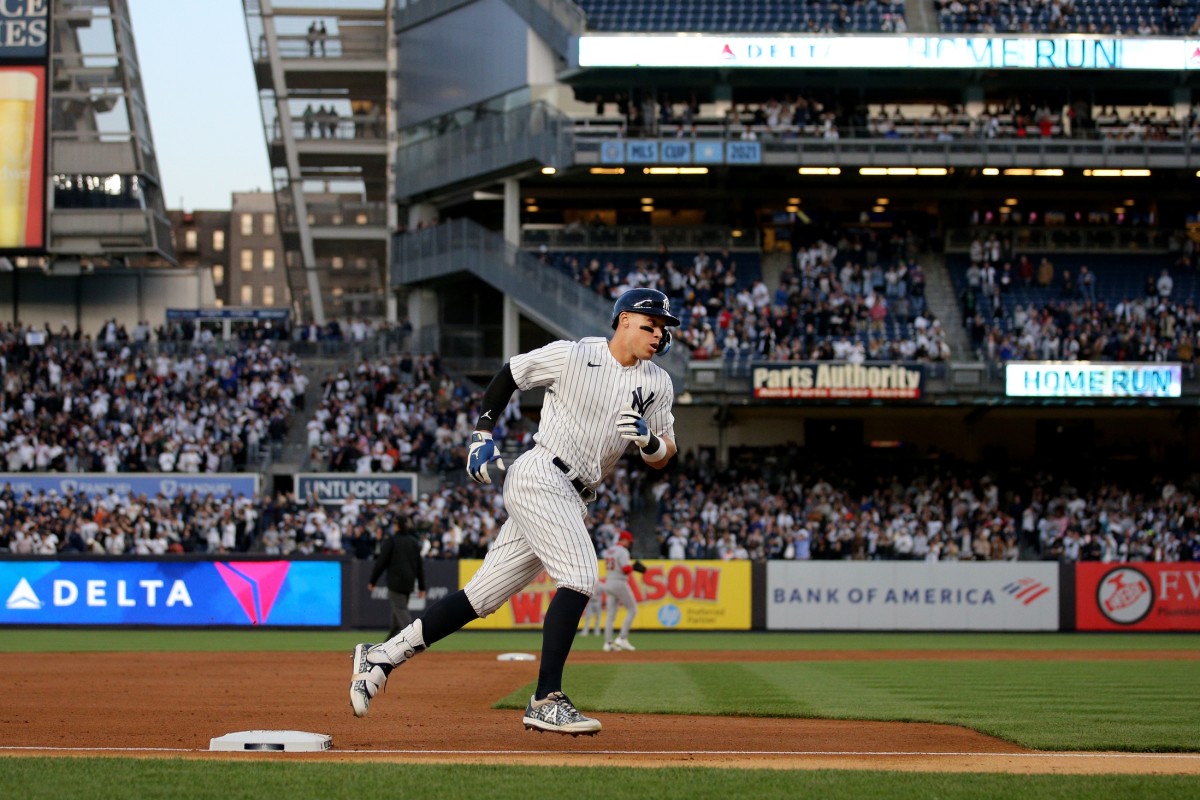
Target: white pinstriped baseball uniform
(586,388)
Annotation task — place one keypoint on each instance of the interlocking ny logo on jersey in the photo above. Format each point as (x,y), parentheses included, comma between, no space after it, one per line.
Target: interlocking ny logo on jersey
(640,405)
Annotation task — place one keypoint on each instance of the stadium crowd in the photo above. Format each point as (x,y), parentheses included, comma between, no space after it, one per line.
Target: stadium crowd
(813,117)
(861,298)
(1015,310)
(71,405)
(951,512)
(396,413)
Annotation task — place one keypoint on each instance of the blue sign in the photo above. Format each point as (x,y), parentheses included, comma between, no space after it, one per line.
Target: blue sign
(710,152)
(674,152)
(125,484)
(612,152)
(332,488)
(184,593)
(24,29)
(275,314)
(641,152)
(743,152)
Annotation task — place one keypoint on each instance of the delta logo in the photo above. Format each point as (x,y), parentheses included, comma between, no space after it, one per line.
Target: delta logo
(727,53)
(255,585)
(1195,59)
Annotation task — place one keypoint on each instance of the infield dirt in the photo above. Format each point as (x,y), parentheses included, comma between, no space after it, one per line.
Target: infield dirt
(438,709)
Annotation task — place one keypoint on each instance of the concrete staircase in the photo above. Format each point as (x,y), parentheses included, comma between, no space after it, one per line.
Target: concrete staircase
(920,17)
(942,302)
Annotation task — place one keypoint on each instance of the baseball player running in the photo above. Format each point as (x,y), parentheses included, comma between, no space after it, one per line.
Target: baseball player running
(616,586)
(595,609)
(600,395)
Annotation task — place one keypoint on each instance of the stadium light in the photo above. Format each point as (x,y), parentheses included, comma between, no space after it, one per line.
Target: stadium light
(990,171)
(881,201)
(903,171)
(1116,173)
(675,171)
(532,209)
(820,170)
(647,208)
(607,170)
(548,170)
(647,201)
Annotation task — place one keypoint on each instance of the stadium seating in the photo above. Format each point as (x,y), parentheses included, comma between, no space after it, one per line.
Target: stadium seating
(774,16)
(1130,17)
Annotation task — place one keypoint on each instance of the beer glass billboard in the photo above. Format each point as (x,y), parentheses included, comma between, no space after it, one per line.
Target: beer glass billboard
(24,66)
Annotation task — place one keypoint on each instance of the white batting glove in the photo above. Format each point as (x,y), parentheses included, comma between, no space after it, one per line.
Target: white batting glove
(483,453)
(633,427)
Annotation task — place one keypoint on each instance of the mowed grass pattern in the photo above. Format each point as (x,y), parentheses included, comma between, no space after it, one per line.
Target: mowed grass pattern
(121,779)
(1133,705)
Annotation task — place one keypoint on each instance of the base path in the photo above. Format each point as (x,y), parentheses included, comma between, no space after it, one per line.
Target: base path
(438,709)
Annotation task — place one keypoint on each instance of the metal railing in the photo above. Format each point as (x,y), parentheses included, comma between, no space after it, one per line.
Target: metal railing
(1025,238)
(545,294)
(640,237)
(783,150)
(535,133)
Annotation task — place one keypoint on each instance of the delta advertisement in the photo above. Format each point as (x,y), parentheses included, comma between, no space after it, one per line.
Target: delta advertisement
(890,51)
(125,484)
(671,595)
(174,593)
(912,596)
(334,488)
(836,380)
(24,49)
(1137,597)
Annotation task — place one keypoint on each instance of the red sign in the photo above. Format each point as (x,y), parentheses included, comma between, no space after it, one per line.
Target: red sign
(1138,596)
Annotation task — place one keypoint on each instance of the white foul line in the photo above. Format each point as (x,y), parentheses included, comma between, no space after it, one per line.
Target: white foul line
(857,753)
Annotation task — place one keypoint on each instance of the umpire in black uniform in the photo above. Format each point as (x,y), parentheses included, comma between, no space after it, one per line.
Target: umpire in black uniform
(400,555)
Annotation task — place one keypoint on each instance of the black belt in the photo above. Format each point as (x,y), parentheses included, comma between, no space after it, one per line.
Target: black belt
(579,485)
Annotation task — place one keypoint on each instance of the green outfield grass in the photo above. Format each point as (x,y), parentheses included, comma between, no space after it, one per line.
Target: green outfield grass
(1134,704)
(98,640)
(1046,705)
(121,779)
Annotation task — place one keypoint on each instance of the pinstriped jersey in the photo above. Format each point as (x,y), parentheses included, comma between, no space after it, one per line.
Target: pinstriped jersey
(586,388)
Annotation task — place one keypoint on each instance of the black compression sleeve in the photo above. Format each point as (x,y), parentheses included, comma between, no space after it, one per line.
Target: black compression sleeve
(495,398)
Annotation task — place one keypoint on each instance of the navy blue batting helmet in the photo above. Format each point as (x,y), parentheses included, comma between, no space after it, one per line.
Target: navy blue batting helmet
(650,302)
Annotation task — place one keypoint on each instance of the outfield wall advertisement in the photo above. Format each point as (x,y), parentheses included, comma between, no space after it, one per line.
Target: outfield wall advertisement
(124,484)
(333,488)
(671,595)
(1137,597)
(912,595)
(171,593)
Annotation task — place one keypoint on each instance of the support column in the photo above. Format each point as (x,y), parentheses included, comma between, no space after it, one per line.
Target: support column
(512,211)
(511,336)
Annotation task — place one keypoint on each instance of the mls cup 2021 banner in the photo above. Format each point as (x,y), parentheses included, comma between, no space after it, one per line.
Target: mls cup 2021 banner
(671,595)
(24,54)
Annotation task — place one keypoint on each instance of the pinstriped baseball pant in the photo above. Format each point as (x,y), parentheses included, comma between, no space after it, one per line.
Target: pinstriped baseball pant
(544,530)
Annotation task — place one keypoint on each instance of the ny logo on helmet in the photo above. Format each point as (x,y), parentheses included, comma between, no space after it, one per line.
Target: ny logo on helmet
(652,303)
(639,404)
